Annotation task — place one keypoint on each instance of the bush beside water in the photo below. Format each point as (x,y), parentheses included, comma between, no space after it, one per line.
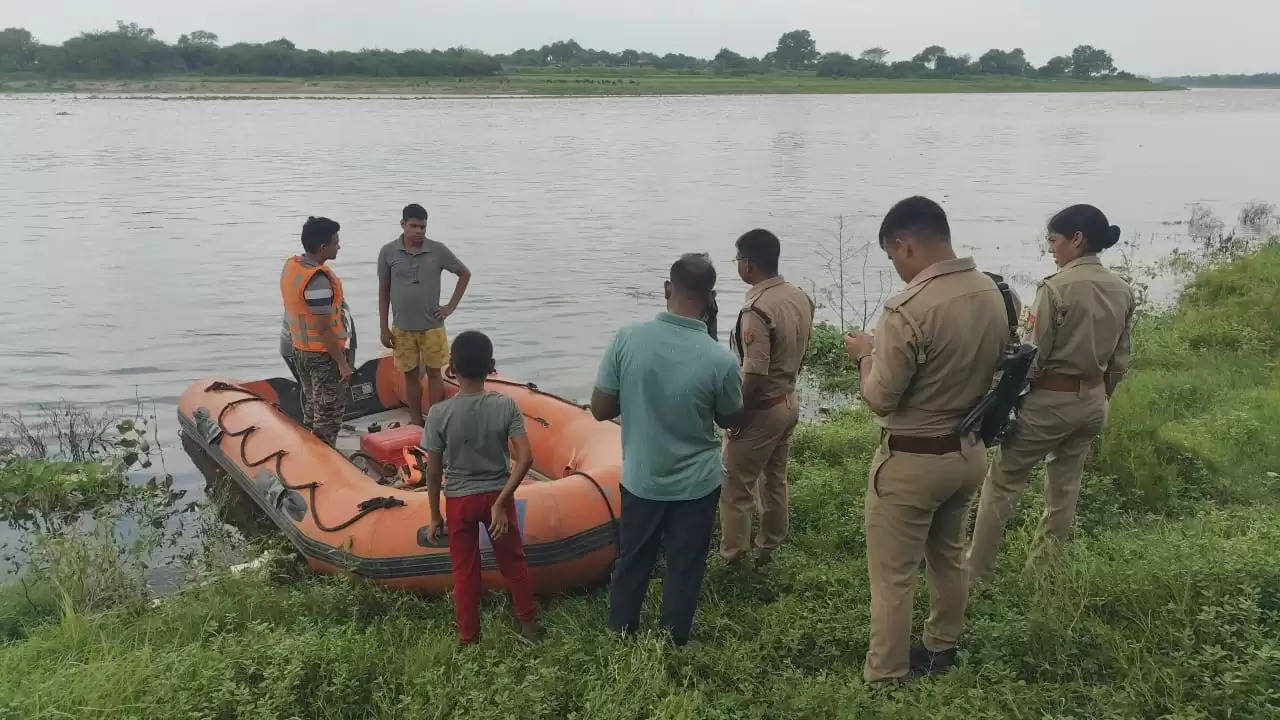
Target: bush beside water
(1166,606)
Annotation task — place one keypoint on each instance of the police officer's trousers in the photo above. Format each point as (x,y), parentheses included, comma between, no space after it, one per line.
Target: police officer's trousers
(1061,426)
(755,473)
(917,506)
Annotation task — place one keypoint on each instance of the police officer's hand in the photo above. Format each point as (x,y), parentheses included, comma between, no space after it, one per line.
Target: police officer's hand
(388,340)
(857,344)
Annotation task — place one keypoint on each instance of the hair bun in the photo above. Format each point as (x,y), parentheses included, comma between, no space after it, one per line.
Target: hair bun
(1113,236)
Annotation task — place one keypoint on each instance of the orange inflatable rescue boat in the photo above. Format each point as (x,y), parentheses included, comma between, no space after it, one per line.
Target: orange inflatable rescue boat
(348,509)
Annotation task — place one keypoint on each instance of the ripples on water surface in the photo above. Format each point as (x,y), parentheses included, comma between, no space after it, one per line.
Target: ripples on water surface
(142,239)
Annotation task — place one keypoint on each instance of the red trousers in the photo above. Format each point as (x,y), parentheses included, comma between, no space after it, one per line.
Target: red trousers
(464,516)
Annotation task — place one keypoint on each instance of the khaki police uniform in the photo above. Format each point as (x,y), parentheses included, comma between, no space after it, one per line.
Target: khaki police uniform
(770,338)
(1081,324)
(936,351)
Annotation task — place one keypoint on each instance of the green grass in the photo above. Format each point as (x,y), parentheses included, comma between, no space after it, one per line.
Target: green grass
(1166,606)
(591,81)
(1198,418)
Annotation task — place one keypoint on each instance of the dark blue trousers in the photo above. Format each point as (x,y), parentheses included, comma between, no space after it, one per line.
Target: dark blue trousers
(683,530)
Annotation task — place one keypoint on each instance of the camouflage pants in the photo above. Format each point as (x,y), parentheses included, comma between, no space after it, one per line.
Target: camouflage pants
(324,395)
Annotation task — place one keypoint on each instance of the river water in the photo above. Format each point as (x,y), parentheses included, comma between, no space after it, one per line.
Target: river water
(143,238)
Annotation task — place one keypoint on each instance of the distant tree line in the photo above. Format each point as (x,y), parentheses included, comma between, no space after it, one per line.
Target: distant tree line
(797,51)
(131,51)
(1085,62)
(1268,80)
(568,53)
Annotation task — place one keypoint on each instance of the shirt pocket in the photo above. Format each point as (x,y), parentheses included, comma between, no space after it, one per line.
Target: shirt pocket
(405,271)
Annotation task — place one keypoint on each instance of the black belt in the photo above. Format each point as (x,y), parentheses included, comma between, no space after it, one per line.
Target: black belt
(1058,382)
(925,445)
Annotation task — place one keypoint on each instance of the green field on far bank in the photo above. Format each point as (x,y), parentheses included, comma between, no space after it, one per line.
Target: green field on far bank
(583,82)
(1167,605)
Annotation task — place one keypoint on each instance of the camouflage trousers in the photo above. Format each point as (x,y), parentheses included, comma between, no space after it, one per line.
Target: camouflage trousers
(324,394)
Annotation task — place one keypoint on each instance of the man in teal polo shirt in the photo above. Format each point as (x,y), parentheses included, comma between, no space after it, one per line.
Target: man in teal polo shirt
(672,384)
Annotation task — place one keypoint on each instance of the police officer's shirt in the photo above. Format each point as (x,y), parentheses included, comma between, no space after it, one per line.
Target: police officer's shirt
(1081,322)
(936,349)
(775,335)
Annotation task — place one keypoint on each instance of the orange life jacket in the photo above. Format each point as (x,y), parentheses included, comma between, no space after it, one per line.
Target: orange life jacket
(305,326)
(414,470)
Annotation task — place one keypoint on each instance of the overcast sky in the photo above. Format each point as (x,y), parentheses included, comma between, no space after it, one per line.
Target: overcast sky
(1158,37)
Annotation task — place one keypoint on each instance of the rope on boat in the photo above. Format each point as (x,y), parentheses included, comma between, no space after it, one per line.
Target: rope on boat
(613,519)
(365,507)
(376,503)
(532,387)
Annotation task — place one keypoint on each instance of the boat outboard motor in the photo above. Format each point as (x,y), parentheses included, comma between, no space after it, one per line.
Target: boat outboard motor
(349,322)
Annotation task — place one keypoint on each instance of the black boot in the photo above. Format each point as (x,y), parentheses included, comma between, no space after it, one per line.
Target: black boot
(927,663)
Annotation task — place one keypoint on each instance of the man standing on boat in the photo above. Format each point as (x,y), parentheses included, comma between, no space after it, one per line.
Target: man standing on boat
(770,338)
(409,286)
(290,357)
(672,384)
(312,295)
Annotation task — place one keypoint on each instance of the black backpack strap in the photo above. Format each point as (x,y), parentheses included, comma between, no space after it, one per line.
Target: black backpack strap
(1009,308)
(768,321)
(735,338)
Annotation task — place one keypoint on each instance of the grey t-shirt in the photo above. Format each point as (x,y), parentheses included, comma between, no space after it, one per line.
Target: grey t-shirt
(415,281)
(470,432)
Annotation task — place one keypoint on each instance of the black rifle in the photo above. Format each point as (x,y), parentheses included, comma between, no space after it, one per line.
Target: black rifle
(996,411)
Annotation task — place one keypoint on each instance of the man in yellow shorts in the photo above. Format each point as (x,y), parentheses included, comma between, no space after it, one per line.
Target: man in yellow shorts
(409,288)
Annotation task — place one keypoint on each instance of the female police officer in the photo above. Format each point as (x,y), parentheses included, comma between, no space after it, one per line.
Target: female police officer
(1080,324)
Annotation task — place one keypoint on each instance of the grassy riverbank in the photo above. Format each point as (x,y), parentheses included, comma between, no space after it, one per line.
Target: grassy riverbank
(1168,604)
(602,81)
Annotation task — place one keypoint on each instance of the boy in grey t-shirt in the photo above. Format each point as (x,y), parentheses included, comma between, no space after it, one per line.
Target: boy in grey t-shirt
(466,438)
